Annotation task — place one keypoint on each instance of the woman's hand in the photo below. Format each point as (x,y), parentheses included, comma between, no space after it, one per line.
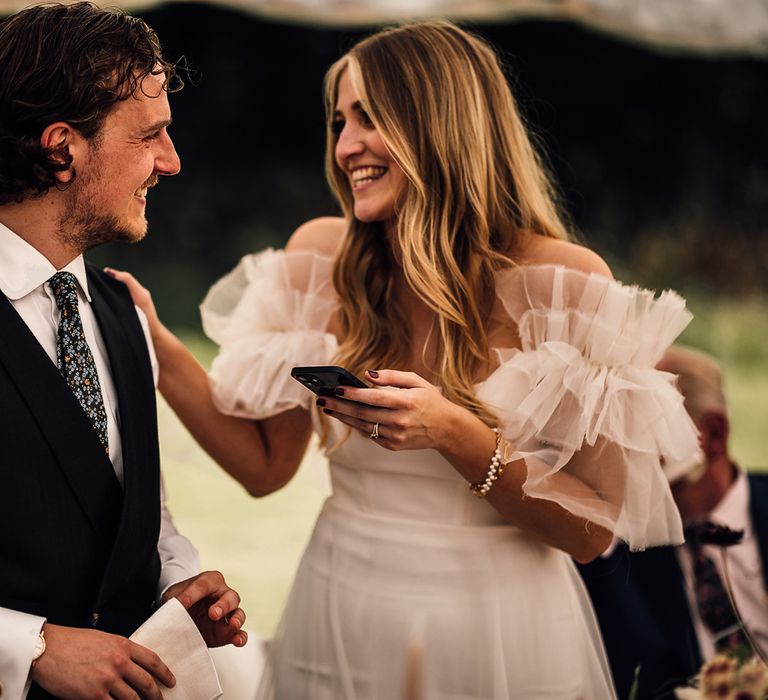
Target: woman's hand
(141,296)
(415,417)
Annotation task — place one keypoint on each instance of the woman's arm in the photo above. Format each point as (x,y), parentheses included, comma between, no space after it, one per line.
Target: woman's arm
(468,446)
(262,455)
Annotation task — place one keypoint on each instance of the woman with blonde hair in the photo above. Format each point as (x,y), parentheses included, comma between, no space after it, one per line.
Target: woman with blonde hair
(512,419)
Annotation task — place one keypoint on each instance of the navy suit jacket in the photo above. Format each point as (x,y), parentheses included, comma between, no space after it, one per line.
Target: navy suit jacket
(643,612)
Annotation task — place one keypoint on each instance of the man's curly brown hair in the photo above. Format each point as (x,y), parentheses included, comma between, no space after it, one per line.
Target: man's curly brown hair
(69,63)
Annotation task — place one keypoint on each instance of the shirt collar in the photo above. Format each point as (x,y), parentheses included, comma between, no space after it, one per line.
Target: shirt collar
(733,509)
(23,268)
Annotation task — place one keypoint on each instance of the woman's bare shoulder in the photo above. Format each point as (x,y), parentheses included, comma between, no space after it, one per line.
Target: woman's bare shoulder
(321,235)
(542,250)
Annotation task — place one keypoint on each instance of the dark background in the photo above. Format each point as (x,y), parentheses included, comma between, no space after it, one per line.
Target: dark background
(660,157)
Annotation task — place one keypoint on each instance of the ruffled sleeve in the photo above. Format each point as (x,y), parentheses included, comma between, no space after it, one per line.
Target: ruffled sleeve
(267,315)
(582,404)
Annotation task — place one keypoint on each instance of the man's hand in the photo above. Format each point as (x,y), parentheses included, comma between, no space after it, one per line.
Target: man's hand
(83,664)
(213,606)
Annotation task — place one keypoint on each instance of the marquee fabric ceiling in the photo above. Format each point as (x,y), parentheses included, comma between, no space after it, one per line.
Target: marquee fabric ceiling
(726,27)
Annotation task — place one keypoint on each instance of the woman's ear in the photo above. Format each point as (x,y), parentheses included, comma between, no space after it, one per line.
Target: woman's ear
(60,141)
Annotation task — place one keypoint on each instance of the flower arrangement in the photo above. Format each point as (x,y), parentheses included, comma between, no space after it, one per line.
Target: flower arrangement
(723,678)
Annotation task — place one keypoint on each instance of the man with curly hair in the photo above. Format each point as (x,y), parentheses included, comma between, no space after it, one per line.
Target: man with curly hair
(86,548)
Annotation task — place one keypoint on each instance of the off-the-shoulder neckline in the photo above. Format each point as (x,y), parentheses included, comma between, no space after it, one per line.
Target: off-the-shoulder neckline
(504,270)
(554,266)
(516,269)
(512,268)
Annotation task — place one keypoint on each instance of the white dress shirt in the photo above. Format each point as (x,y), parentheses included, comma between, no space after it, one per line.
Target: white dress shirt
(23,275)
(744,567)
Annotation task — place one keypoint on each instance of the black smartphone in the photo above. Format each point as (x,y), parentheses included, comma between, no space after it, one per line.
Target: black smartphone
(325,379)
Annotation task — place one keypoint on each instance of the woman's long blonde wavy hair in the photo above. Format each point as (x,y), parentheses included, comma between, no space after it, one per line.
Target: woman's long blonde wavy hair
(442,105)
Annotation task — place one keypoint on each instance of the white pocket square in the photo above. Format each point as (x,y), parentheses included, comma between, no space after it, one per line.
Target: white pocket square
(173,636)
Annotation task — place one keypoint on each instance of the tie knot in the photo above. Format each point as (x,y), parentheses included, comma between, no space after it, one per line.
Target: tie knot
(64,288)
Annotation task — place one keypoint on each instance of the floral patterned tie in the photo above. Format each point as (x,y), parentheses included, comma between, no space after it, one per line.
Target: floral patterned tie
(715,608)
(74,357)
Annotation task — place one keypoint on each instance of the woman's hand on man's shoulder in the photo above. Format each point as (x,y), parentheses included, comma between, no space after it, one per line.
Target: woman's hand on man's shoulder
(321,235)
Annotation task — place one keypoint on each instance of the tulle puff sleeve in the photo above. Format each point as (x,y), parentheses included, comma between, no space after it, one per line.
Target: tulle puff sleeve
(581,401)
(267,315)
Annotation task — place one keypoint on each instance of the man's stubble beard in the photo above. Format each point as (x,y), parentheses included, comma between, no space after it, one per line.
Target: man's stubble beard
(83,225)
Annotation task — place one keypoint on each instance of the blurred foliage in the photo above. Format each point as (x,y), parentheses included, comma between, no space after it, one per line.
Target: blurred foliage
(735,332)
(707,256)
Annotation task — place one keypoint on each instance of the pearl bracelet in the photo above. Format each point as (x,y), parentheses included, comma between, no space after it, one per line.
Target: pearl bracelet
(494,471)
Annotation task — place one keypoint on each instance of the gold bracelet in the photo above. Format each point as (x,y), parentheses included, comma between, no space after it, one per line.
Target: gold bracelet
(496,469)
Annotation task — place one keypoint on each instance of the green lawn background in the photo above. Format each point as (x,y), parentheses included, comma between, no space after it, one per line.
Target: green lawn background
(257,543)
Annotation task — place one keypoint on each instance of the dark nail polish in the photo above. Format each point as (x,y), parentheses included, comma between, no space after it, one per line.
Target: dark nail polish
(320,402)
(339,391)
(327,411)
(373,373)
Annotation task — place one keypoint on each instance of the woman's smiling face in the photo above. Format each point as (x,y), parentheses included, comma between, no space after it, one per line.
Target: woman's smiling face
(376,180)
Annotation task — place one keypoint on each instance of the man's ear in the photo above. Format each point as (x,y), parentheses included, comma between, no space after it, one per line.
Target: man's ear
(714,429)
(63,145)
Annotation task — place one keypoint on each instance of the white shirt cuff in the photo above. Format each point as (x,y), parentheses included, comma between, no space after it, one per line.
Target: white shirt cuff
(18,639)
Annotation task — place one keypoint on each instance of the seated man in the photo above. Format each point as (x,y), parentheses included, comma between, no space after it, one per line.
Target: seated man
(665,610)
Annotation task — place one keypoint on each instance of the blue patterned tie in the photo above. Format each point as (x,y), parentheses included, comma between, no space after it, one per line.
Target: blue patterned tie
(715,608)
(74,357)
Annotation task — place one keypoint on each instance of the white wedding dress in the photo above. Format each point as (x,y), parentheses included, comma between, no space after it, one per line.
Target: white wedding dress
(406,568)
